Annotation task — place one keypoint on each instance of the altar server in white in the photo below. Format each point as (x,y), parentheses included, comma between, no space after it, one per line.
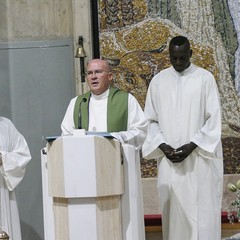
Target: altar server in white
(183,110)
(108,109)
(14,156)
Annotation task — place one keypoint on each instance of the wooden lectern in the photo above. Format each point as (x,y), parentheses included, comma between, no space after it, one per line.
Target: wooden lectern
(86,182)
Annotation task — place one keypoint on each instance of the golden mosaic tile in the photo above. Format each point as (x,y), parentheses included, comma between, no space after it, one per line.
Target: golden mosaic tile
(140,51)
(136,45)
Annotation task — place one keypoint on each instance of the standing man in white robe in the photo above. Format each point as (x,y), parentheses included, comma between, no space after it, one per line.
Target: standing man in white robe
(96,101)
(107,109)
(184,134)
(14,156)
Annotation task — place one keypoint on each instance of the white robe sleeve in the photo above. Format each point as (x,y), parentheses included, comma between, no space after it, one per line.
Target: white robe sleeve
(15,156)
(67,125)
(155,136)
(208,136)
(205,121)
(137,125)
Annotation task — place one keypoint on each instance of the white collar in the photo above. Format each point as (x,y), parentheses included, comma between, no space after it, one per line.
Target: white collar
(100,96)
(185,72)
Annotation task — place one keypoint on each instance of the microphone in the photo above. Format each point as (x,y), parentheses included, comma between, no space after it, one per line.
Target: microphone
(79,113)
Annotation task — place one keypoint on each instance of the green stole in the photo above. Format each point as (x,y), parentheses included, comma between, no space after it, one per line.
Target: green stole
(117,110)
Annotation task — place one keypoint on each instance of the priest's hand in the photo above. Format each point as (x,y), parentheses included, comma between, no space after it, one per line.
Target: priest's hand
(183,152)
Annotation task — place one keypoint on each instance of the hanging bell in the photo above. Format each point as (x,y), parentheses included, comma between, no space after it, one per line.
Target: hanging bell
(80,50)
(4,235)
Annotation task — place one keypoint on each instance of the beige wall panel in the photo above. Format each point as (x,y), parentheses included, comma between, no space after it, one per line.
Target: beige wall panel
(35,20)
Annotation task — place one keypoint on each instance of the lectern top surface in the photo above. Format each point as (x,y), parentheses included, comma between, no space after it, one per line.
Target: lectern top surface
(51,138)
(103,134)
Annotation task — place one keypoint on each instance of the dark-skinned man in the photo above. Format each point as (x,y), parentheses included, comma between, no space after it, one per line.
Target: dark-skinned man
(184,134)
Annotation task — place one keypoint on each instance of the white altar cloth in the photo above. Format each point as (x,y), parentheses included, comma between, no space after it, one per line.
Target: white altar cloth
(132,199)
(48,219)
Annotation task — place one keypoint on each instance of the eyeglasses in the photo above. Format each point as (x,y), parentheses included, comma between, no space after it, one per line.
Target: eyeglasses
(98,73)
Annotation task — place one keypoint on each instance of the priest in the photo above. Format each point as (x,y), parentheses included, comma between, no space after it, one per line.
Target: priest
(184,134)
(108,109)
(14,156)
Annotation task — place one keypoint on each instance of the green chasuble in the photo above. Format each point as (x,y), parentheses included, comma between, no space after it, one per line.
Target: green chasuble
(117,110)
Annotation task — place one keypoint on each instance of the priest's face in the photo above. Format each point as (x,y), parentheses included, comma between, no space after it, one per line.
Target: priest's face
(99,76)
(180,57)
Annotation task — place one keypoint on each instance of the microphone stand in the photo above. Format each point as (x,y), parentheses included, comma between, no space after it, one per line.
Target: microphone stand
(79,113)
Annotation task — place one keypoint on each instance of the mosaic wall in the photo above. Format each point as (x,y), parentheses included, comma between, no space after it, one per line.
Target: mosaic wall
(134,37)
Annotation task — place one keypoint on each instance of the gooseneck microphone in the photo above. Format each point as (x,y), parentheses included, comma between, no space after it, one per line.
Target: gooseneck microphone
(79,113)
